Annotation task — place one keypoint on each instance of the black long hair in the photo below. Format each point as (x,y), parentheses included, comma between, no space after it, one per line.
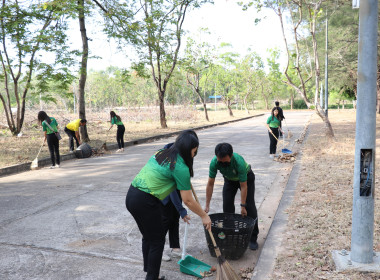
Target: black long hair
(185,142)
(113,114)
(42,116)
(274,108)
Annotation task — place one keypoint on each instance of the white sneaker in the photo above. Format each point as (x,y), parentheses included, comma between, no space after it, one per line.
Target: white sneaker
(271,156)
(118,150)
(52,167)
(176,252)
(166,257)
(57,165)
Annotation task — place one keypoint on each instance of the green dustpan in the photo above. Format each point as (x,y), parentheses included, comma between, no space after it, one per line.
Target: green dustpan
(193,266)
(189,264)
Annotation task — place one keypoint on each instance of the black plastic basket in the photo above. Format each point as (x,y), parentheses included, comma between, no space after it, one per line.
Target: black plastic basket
(83,151)
(232,233)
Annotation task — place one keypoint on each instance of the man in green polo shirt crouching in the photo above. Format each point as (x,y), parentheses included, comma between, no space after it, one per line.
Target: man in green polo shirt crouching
(237,174)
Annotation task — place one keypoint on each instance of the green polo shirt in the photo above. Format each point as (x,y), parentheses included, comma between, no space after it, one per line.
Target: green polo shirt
(160,181)
(275,123)
(236,171)
(116,121)
(53,125)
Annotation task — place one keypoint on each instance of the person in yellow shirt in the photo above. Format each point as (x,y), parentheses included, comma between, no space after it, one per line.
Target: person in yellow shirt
(72,130)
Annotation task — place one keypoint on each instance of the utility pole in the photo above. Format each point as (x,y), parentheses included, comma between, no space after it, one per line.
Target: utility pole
(362,257)
(326,70)
(365,138)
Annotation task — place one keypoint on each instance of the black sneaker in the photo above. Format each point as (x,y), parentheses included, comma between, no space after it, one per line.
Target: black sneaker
(253,245)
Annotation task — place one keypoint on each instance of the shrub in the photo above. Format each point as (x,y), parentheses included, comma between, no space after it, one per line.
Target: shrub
(299,104)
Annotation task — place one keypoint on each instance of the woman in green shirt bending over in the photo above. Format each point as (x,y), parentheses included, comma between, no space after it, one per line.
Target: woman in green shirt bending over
(115,119)
(273,125)
(49,127)
(167,170)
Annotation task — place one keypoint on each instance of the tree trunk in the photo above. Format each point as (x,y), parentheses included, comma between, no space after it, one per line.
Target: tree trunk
(230,110)
(195,86)
(206,113)
(321,113)
(291,101)
(161,95)
(203,102)
(83,70)
(245,105)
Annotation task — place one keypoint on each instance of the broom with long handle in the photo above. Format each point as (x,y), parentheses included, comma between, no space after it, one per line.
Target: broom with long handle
(278,141)
(224,270)
(34,164)
(290,134)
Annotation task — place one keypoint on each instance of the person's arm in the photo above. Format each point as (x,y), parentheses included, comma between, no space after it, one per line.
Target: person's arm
(187,198)
(243,197)
(209,191)
(45,136)
(178,204)
(77,134)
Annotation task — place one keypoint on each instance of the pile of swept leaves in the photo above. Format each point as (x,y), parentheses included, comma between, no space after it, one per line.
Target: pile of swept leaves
(320,215)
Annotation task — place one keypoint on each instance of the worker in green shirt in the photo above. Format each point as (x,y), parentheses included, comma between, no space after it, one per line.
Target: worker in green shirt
(274,129)
(49,127)
(115,119)
(237,174)
(167,170)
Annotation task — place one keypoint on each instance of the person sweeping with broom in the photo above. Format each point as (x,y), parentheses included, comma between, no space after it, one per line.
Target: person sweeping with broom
(167,170)
(273,125)
(115,119)
(50,127)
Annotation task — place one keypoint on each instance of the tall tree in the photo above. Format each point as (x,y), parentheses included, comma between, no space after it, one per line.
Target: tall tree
(27,29)
(83,68)
(252,68)
(154,27)
(198,58)
(304,16)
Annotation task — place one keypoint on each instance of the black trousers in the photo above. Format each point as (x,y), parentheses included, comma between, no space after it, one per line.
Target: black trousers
(72,136)
(53,144)
(229,192)
(273,141)
(147,212)
(171,223)
(120,136)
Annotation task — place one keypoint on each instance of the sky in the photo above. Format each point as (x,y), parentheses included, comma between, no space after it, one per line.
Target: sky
(226,20)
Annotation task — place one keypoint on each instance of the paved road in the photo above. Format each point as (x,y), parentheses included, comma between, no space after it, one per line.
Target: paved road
(71,223)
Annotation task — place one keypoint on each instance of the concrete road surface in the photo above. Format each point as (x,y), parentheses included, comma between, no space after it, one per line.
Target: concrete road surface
(71,223)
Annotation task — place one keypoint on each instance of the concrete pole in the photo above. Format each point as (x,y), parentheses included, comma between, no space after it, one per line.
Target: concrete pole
(326,70)
(365,138)
(321,96)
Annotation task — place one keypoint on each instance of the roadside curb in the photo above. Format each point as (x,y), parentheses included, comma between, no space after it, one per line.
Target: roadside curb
(18,168)
(267,258)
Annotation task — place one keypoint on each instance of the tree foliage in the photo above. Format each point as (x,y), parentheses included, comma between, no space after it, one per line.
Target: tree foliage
(29,31)
(154,28)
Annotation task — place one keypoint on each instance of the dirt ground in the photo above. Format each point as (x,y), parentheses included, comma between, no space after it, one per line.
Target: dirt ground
(320,215)
(139,123)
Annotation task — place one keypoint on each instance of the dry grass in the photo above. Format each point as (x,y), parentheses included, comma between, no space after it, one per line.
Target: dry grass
(139,123)
(320,215)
